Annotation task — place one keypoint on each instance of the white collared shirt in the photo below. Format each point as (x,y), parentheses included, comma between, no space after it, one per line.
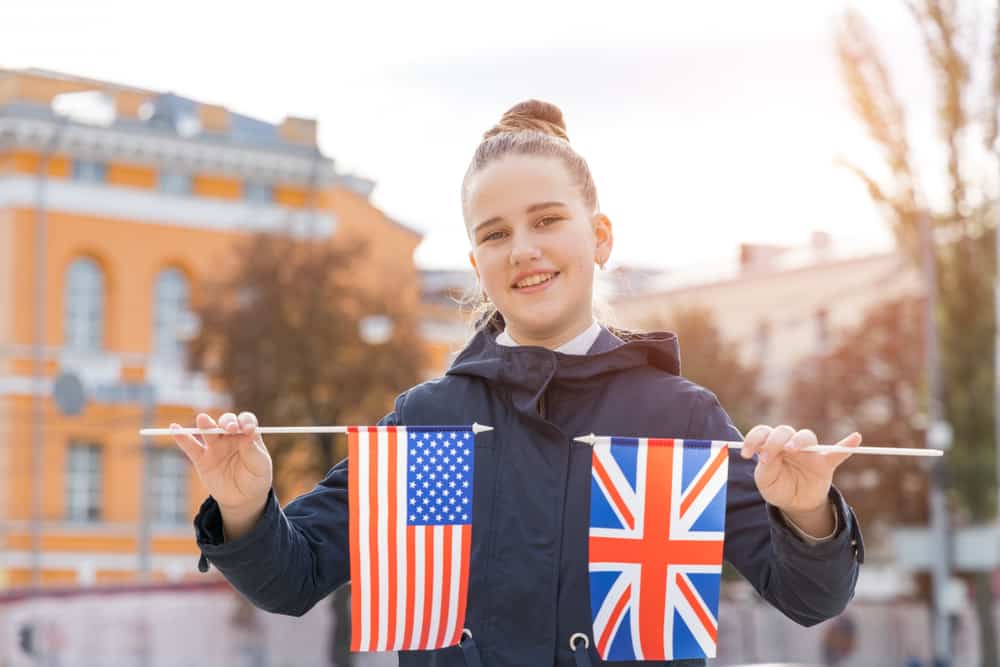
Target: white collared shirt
(579,345)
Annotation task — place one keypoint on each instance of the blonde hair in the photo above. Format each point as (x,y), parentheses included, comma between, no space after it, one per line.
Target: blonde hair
(537,128)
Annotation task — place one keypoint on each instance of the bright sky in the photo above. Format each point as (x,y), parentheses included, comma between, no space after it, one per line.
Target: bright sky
(705,124)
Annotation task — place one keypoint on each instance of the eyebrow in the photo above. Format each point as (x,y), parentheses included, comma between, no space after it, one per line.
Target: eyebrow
(530,209)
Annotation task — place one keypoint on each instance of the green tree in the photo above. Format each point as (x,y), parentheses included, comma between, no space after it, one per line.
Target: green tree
(283,333)
(963,59)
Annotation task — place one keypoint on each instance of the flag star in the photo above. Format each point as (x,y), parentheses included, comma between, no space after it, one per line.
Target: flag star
(466,452)
(433,460)
(413,485)
(438,501)
(413,468)
(433,492)
(465,517)
(413,501)
(426,436)
(413,517)
(420,459)
(451,517)
(447,459)
(451,484)
(413,436)
(426,484)
(420,475)
(446,475)
(453,467)
(465,501)
(466,435)
(465,484)
(438,517)
(446,492)
(427,501)
(439,468)
(420,492)
(451,501)
(438,484)
(413,452)
(465,467)
(433,476)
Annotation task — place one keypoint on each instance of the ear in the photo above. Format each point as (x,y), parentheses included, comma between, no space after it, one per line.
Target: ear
(475,267)
(604,238)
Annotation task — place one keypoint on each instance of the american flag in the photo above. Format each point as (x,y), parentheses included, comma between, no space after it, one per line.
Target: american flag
(657,522)
(410,520)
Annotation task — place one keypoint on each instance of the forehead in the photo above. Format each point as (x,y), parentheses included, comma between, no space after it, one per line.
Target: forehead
(509,185)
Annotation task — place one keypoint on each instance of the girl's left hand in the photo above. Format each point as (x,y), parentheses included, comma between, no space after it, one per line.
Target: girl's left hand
(787,478)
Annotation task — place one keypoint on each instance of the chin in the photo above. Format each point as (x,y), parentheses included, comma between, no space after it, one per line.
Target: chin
(539,324)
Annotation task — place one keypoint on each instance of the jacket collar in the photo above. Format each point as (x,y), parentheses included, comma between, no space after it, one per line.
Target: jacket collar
(530,366)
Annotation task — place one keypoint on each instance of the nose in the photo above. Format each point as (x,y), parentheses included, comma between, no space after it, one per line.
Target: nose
(524,249)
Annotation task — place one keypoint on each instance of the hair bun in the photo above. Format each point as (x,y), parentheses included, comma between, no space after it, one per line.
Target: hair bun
(531,115)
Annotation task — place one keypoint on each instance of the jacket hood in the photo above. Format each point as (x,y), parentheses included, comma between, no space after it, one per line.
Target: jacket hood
(522,366)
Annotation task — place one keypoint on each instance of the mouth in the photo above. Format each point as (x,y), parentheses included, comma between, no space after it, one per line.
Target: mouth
(535,282)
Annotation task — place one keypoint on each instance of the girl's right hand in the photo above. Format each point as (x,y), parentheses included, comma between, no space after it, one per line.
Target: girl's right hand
(234,467)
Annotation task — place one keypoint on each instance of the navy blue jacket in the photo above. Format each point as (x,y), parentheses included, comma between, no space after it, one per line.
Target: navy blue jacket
(528,583)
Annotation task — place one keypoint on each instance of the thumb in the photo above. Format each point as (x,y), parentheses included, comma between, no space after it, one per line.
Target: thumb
(188,444)
(836,458)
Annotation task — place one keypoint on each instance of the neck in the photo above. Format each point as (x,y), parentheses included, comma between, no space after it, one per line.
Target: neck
(546,340)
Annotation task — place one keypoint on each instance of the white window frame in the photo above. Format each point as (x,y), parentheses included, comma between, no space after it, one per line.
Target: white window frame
(84,481)
(84,294)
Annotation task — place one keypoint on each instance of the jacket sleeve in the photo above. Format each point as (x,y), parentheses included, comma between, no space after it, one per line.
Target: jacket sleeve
(294,556)
(807,583)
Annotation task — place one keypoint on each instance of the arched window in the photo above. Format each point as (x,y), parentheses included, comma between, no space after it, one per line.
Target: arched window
(170,303)
(84,306)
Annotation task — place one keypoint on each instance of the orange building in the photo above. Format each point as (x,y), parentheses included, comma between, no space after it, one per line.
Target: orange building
(124,223)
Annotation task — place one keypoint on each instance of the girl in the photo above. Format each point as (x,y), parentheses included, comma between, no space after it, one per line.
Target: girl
(540,370)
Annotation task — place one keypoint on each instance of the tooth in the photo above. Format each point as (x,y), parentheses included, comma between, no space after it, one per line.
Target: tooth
(535,280)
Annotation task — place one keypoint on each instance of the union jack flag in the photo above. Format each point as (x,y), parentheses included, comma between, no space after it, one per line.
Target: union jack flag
(410,499)
(657,523)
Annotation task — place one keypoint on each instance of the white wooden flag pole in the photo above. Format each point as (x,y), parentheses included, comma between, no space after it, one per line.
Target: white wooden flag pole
(884,451)
(264,430)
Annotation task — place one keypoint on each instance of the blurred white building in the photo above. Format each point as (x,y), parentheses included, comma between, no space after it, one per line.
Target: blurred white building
(778,304)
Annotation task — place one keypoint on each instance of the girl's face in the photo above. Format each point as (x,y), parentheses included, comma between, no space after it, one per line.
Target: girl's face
(534,247)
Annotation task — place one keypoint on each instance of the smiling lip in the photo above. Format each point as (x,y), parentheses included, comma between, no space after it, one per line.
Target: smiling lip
(533,288)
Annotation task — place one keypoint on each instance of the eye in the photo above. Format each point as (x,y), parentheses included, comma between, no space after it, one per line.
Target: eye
(492,235)
(548,221)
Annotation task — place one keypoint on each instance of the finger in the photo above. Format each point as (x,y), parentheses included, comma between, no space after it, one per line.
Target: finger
(248,420)
(203,421)
(772,448)
(802,438)
(836,458)
(229,422)
(188,444)
(248,425)
(754,439)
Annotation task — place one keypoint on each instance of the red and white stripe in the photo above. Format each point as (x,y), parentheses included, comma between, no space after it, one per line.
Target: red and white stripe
(408,582)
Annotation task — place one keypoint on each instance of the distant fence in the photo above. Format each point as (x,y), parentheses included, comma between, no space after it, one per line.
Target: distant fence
(874,634)
(205,624)
(199,624)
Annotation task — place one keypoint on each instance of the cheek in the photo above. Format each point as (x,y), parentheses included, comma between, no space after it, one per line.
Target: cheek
(578,252)
(491,269)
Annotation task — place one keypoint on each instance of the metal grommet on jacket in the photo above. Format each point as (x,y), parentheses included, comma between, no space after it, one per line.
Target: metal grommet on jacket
(579,649)
(469,649)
